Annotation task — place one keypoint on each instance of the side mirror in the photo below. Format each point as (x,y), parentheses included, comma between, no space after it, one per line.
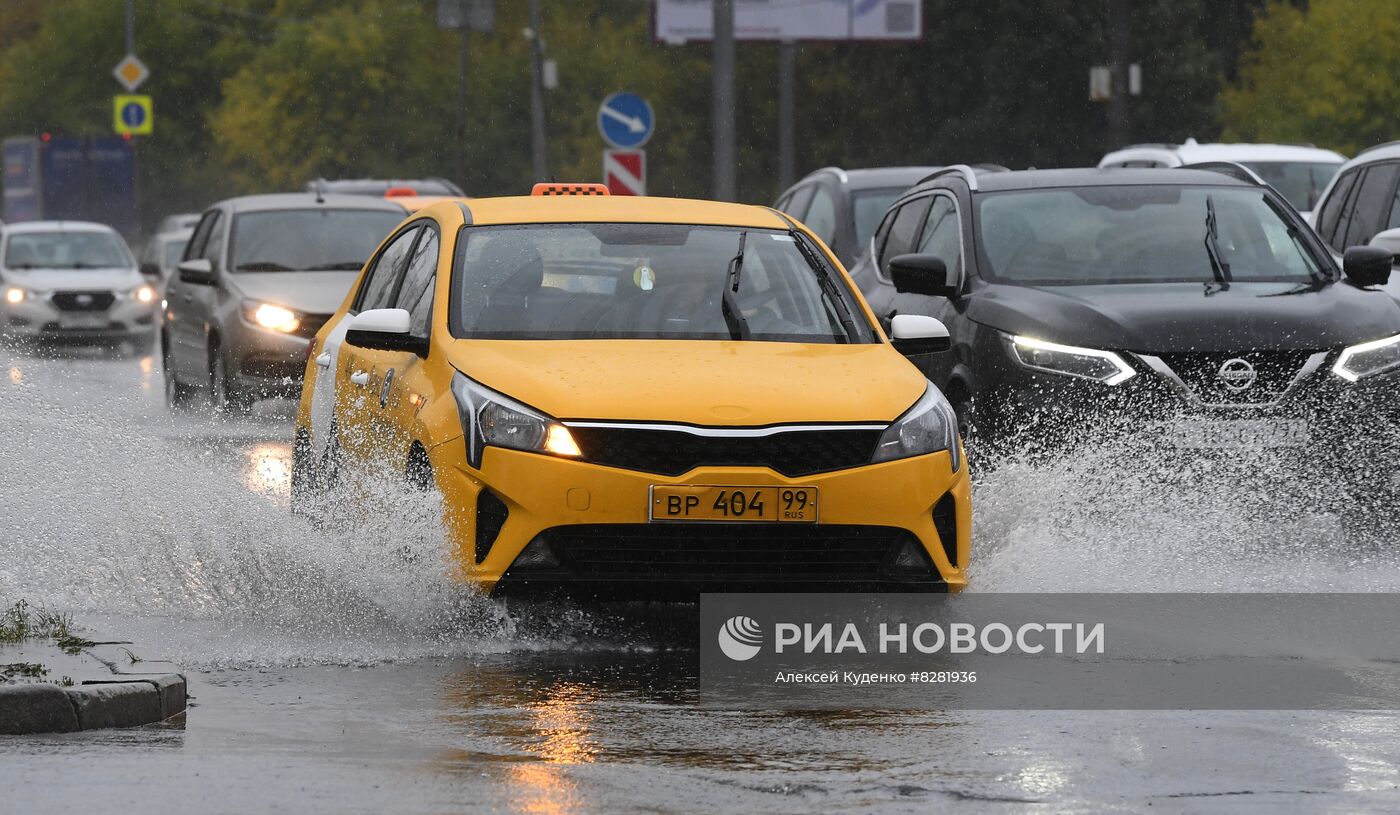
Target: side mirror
(1389,240)
(197,270)
(1367,265)
(150,270)
(923,274)
(919,334)
(385,329)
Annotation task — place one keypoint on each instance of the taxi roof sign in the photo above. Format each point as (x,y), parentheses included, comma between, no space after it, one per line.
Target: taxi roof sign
(554,188)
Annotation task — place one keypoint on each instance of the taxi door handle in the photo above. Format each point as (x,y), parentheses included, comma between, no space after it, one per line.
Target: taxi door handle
(324,360)
(359,378)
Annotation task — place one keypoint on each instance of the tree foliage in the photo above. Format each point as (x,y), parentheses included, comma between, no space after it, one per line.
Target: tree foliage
(1328,74)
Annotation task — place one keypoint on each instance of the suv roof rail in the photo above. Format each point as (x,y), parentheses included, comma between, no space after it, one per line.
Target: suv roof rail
(840,173)
(1233,169)
(1379,146)
(1153,145)
(968,174)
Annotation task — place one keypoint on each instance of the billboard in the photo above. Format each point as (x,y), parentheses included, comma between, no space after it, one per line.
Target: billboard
(681,21)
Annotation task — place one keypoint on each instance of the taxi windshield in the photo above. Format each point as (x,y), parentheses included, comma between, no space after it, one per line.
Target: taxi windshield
(648,281)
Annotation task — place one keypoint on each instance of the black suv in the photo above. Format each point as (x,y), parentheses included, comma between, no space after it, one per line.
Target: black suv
(1196,304)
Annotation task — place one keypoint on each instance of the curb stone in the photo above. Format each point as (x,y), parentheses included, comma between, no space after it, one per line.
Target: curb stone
(131,693)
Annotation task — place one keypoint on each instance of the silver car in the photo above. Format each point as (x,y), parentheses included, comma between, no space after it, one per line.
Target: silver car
(72,280)
(259,278)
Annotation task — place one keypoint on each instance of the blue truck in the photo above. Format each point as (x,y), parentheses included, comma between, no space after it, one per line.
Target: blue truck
(74,178)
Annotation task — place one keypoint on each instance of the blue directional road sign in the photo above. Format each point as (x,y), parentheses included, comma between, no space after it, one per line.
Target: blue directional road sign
(626,120)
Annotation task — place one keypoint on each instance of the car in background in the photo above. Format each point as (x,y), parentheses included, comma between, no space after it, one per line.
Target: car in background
(162,254)
(842,206)
(1193,307)
(260,276)
(1300,172)
(72,280)
(178,222)
(1362,205)
(638,397)
(383,186)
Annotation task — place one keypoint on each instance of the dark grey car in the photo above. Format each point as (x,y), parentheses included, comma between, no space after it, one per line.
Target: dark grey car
(843,206)
(258,279)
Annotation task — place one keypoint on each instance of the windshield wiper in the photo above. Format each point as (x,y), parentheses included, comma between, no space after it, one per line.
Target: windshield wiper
(830,290)
(263,266)
(1218,266)
(729,301)
(342,266)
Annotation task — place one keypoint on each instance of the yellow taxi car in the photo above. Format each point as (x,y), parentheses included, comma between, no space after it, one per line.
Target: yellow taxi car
(640,397)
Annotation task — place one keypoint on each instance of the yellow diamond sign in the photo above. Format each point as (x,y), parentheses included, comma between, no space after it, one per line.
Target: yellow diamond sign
(131,72)
(132,115)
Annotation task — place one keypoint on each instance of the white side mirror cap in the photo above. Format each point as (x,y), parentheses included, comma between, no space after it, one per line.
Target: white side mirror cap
(917,327)
(383,321)
(1389,240)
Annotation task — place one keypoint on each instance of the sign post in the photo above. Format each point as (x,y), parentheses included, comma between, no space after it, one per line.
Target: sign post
(626,120)
(625,171)
(131,73)
(132,115)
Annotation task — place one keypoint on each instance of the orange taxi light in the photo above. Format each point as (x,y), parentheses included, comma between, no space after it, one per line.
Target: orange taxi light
(550,188)
(400,192)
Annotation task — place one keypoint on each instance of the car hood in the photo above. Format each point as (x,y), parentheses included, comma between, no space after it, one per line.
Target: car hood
(308,292)
(697,382)
(74,279)
(1163,317)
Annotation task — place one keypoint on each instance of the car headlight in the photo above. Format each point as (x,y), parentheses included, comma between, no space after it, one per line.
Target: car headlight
(15,295)
(927,427)
(142,294)
(491,418)
(1068,360)
(1368,359)
(270,316)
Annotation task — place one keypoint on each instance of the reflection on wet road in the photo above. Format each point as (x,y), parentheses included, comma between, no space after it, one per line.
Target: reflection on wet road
(339,670)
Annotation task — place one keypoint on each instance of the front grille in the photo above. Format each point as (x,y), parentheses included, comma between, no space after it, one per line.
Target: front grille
(1201,374)
(310,324)
(675,452)
(83,300)
(727,552)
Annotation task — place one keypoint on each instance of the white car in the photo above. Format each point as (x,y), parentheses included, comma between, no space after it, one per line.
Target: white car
(1361,207)
(73,280)
(1299,172)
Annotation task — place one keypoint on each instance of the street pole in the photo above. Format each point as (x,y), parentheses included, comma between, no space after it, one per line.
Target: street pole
(1119,122)
(461,146)
(722,101)
(131,26)
(787,114)
(537,135)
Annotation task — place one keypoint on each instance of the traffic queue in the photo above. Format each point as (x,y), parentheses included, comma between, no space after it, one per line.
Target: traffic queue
(624,397)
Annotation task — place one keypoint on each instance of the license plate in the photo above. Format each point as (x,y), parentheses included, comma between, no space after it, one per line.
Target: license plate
(1239,434)
(84,321)
(752,504)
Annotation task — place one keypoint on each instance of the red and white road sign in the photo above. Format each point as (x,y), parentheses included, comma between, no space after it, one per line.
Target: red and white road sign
(625,171)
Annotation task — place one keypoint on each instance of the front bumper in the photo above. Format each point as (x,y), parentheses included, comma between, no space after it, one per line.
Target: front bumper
(594,520)
(265,362)
(39,318)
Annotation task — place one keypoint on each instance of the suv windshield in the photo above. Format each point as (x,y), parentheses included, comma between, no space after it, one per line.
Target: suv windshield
(308,239)
(1148,234)
(65,250)
(1301,183)
(647,281)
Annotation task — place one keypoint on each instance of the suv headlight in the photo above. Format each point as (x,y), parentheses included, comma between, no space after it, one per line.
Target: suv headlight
(927,427)
(142,294)
(491,418)
(1368,359)
(1068,360)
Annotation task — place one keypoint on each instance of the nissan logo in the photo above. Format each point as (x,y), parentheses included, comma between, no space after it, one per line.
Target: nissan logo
(1237,374)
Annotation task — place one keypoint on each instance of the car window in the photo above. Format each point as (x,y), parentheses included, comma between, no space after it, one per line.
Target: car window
(416,291)
(382,277)
(214,243)
(904,230)
(797,203)
(312,239)
(201,234)
(866,208)
(1331,211)
(1372,208)
(648,282)
(1137,234)
(942,233)
(60,249)
(1301,182)
(821,214)
(1393,222)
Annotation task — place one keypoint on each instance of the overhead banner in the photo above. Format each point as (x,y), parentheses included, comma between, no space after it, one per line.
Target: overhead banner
(681,21)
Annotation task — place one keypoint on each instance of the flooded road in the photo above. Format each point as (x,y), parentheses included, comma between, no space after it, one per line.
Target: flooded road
(338,670)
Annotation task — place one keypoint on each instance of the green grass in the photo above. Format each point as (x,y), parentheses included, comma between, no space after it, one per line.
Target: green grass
(23,670)
(23,621)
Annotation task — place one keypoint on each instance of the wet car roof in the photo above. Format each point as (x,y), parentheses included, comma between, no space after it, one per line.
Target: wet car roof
(306,200)
(1094,177)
